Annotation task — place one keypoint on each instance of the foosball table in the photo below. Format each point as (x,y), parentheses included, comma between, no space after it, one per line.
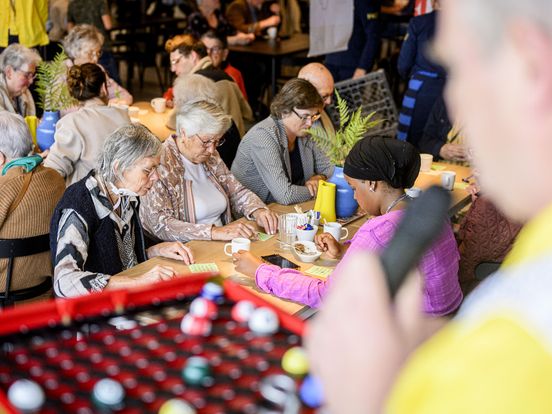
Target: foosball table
(188,345)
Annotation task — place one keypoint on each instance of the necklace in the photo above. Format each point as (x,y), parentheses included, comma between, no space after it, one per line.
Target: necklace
(395,202)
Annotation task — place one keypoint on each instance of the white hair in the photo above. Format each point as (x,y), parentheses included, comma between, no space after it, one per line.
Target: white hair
(491,17)
(192,88)
(16,55)
(125,147)
(80,36)
(202,118)
(15,137)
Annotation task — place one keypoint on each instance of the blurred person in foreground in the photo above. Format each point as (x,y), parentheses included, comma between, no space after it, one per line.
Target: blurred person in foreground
(496,355)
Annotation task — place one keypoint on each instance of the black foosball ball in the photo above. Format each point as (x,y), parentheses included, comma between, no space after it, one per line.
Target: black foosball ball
(188,345)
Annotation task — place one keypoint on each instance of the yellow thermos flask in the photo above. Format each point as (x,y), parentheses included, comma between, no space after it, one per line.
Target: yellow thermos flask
(325,201)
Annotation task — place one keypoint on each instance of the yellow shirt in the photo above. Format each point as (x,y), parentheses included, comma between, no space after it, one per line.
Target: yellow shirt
(29,23)
(496,362)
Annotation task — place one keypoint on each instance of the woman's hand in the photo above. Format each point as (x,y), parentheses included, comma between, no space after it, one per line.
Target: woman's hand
(328,244)
(267,219)
(173,250)
(241,38)
(312,184)
(157,273)
(233,230)
(453,152)
(246,263)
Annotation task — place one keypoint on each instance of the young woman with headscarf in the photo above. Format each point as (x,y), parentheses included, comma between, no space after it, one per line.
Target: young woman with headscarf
(378,169)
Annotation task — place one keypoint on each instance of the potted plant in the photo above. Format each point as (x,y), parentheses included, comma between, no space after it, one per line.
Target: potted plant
(53,96)
(352,127)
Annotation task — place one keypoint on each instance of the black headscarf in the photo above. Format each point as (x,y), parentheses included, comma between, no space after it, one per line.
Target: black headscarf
(384,159)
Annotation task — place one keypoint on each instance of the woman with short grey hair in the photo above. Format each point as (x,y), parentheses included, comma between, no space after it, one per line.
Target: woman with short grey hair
(83,44)
(17,72)
(96,232)
(16,140)
(197,197)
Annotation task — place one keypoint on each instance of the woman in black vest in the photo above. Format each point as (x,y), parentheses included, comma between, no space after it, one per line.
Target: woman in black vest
(95,230)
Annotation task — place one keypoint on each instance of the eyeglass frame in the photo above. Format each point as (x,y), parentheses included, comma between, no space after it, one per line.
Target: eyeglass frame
(150,171)
(305,118)
(29,75)
(214,49)
(216,142)
(176,61)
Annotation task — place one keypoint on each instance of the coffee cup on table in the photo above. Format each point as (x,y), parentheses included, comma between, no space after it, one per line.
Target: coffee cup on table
(159,105)
(336,230)
(237,244)
(447,180)
(306,234)
(425,162)
(272,32)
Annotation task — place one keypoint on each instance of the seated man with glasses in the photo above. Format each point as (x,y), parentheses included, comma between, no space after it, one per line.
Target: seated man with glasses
(17,72)
(322,79)
(276,159)
(217,49)
(197,197)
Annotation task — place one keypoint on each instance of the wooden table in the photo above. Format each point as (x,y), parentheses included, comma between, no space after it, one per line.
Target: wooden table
(154,121)
(274,49)
(213,251)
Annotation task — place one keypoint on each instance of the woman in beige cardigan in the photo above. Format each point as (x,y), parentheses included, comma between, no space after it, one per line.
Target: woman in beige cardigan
(80,135)
(196,196)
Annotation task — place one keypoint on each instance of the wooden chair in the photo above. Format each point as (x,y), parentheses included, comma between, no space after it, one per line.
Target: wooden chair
(13,248)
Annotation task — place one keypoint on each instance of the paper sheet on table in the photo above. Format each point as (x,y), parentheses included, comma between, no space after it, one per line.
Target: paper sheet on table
(319,271)
(203,267)
(263,236)
(438,167)
(461,186)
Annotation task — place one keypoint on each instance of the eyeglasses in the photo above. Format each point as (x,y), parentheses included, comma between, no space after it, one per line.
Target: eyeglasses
(215,50)
(150,171)
(206,144)
(174,62)
(27,74)
(306,117)
(94,54)
(325,98)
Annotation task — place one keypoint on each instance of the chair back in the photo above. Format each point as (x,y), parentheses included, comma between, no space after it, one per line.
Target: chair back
(13,248)
(371,93)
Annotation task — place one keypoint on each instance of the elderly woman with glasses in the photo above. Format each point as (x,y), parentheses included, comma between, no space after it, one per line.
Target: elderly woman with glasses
(95,231)
(83,44)
(276,159)
(17,72)
(197,197)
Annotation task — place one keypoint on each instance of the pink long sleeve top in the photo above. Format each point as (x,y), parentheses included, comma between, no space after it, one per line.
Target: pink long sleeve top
(442,293)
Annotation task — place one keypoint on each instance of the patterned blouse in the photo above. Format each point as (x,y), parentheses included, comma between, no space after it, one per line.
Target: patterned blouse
(73,241)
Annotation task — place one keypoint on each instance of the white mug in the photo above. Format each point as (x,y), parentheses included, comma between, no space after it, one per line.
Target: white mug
(237,244)
(425,162)
(159,105)
(272,32)
(336,230)
(447,180)
(306,235)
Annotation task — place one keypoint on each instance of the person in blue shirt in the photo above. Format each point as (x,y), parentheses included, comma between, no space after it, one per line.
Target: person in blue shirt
(363,45)
(426,79)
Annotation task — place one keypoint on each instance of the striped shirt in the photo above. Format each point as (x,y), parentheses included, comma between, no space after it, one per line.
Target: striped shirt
(263,165)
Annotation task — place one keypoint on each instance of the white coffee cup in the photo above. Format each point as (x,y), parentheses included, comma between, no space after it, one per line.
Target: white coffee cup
(426,161)
(237,244)
(306,235)
(336,230)
(159,105)
(272,32)
(447,180)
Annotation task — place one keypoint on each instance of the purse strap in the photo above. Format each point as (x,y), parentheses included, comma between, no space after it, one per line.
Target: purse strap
(22,192)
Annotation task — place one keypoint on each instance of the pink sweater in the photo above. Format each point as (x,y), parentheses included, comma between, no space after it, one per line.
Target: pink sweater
(442,293)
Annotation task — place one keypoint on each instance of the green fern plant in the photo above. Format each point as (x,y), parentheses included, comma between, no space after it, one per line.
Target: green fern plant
(352,128)
(51,84)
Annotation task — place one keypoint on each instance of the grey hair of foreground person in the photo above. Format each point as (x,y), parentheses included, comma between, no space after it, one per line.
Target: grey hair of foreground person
(15,137)
(78,37)
(492,18)
(16,55)
(202,118)
(124,148)
(193,87)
